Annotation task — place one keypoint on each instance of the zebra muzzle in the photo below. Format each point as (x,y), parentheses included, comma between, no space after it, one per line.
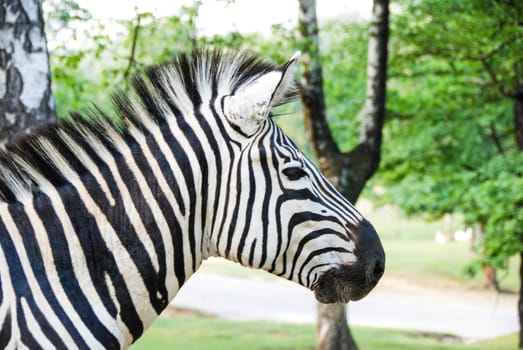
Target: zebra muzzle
(354,281)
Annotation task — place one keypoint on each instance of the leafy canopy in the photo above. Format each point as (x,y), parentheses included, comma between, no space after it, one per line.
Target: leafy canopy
(449,141)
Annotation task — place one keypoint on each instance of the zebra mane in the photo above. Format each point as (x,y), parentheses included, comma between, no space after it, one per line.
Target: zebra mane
(57,152)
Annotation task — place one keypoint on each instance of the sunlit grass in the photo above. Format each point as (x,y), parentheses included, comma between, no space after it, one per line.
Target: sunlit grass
(196,332)
(205,333)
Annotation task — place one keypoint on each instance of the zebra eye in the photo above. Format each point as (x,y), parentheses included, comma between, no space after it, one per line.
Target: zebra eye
(294,173)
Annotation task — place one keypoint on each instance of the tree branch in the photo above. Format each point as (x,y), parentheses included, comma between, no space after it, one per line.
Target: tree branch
(494,79)
(501,45)
(495,138)
(373,112)
(136,31)
(319,134)
(483,59)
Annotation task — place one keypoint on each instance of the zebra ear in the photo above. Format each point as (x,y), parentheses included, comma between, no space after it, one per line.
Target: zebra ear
(250,105)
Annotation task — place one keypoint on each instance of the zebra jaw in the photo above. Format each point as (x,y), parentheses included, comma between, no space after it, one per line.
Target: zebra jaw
(343,284)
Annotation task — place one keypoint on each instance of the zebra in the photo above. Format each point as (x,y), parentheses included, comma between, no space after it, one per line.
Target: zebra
(103,220)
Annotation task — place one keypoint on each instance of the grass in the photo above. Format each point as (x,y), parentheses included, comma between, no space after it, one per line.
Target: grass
(196,332)
(205,333)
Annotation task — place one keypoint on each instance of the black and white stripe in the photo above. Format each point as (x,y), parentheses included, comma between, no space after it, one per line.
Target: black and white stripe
(102,222)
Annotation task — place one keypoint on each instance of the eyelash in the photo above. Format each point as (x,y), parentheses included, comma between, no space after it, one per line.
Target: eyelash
(294,173)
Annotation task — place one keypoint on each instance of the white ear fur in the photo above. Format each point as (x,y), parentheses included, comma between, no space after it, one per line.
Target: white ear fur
(251,104)
(287,81)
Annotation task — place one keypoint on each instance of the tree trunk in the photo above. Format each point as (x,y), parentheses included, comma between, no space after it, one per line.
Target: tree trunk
(489,271)
(447,221)
(332,328)
(25,80)
(491,279)
(347,171)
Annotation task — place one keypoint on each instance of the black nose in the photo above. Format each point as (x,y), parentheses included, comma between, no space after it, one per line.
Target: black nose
(369,252)
(354,280)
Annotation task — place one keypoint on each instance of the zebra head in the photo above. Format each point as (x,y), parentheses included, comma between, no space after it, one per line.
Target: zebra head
(285,217)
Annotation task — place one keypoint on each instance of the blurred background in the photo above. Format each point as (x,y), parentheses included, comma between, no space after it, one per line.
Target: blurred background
(444,186)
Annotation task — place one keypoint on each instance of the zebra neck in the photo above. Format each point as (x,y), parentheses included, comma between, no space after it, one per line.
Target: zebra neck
(116,242)
(156,212)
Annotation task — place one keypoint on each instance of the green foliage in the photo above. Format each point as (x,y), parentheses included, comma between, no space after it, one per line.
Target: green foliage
(344,60)
(497,200)
(92,58)
(449,139)
(62,13)
(484,32)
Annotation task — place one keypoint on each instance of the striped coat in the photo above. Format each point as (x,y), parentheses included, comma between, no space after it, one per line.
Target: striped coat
(102,222)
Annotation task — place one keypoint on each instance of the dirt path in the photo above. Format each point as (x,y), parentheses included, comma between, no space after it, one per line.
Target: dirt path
(469,314)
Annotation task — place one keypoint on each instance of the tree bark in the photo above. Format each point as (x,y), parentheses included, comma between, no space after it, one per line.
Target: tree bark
(447,221)
(312,95)
(332,328)
(347,171)
(25,80)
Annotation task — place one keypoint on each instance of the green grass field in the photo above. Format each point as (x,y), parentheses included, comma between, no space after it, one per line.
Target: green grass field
(200,333)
